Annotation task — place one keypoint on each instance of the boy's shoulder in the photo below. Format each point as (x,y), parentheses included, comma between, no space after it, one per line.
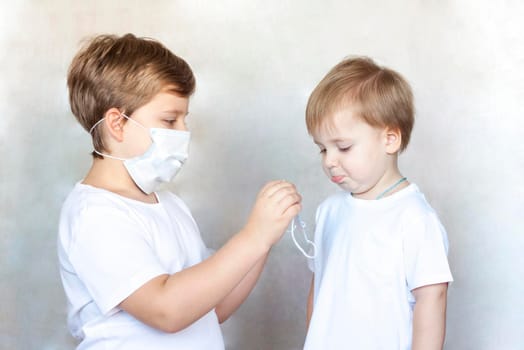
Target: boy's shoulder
(415,203)
(415,214)
(83,197)
(85,201)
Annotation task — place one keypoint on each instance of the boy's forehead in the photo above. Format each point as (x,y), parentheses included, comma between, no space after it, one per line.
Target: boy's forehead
(171,89)
(170,92)
(168,100)
(327,129)
(340,125)
(338,120)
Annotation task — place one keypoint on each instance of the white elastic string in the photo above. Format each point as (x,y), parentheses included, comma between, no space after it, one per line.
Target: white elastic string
(123,115)
(303,226)
(107,155)
(95,125)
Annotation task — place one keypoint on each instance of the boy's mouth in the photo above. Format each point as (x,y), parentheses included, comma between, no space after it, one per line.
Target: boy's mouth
(337,179)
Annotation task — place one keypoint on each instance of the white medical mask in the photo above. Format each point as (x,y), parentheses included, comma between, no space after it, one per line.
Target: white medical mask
(162,160)
(298,223)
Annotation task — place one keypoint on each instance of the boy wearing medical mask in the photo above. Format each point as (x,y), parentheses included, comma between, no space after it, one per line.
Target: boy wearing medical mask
(381,271)
(135,270)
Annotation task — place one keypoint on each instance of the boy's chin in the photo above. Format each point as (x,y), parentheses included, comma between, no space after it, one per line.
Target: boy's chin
(349,189)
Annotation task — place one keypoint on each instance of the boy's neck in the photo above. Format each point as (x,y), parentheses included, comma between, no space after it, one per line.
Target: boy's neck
(111,175)
(388,179)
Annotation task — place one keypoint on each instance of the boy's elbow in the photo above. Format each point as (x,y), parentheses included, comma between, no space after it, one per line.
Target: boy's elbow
(171,324)
(174,325)
(222,316)
(168,319)
(172,328)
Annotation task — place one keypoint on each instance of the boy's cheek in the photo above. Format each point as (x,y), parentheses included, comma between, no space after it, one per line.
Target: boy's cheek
(326,171)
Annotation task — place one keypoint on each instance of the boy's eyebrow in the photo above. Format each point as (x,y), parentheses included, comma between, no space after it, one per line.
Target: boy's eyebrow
(342,140)
(175,111)
(335,140)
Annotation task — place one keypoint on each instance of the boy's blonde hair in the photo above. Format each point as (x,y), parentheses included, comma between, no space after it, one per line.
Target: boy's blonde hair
(123,72)
(380,96)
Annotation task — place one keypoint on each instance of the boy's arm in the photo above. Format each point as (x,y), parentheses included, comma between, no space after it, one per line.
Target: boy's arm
(309,310)
(173,302)
(429,317)
(234,299)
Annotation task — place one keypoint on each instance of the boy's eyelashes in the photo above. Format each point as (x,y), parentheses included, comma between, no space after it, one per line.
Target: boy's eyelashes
(341,149)
(175,118)
(173,122)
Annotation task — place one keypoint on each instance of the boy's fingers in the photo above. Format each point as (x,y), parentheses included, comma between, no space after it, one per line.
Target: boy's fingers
(283,192)
(290,201)
(267,187)
(276,187)
(283,199)
(293,210)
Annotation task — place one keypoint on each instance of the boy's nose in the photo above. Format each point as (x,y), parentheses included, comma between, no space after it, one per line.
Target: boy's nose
(182,126)
(330,160)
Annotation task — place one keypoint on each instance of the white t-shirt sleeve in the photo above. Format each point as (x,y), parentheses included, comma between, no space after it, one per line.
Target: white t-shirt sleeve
(112,255)
(425,252)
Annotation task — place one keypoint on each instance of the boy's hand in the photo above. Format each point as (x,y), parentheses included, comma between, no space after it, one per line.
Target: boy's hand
(277,203)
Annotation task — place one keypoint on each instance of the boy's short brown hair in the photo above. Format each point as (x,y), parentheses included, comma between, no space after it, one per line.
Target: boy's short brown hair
(380,96)
(123,72)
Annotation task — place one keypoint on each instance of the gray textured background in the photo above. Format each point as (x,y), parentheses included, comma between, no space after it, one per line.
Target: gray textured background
(256,63)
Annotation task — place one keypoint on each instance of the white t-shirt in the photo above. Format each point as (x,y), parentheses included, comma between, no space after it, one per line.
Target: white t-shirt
(370,255)
(108,247)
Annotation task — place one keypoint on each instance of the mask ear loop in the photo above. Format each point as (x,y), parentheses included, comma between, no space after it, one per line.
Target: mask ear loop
(302,225)
(101,120)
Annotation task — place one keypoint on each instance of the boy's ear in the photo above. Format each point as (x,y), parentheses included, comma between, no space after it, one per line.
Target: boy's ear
(393,138)
(114,124)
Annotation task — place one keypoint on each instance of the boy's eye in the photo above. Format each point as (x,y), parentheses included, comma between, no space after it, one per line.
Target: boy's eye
(322,150)
(344,149)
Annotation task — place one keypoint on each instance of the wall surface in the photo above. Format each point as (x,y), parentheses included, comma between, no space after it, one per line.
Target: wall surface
(256,63)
